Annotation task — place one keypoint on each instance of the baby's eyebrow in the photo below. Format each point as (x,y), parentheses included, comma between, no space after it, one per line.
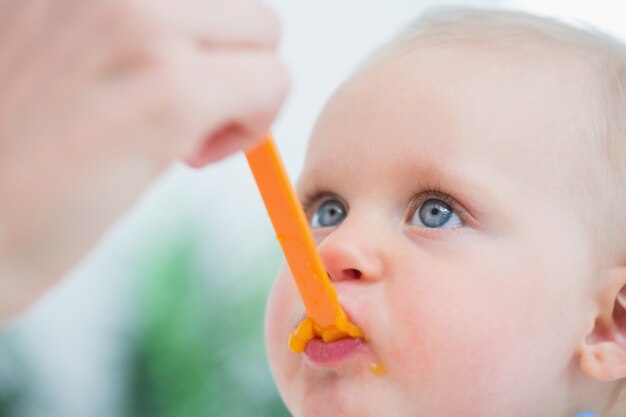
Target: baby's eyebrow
(461,184)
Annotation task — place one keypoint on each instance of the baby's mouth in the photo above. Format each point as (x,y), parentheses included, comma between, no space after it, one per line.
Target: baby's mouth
(333,351)
(325,346)
(323,353)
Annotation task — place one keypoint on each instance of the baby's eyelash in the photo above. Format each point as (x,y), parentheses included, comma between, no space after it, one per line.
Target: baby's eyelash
(426,191)
(312,197)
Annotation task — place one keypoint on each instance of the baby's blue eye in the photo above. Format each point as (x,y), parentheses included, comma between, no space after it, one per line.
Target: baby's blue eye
(330,213)
(435,213)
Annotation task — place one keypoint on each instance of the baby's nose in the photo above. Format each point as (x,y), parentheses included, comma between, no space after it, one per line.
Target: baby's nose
(350,258)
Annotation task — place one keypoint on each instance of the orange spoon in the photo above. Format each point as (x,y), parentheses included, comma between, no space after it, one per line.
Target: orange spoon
(325,317)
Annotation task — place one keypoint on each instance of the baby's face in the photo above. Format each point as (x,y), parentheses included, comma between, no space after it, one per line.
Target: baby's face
(435,183)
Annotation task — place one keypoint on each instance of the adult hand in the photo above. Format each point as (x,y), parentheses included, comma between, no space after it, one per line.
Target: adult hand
(98,97)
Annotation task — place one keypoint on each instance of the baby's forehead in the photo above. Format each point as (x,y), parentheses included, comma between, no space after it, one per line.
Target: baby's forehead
(494,112)
(474,91)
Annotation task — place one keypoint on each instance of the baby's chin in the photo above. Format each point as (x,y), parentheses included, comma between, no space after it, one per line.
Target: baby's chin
(333,395)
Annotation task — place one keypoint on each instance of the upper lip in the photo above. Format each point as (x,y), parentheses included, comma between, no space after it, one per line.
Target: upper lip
(351,318)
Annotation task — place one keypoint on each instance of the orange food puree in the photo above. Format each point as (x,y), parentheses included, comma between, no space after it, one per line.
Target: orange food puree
(308,329)
(378,369)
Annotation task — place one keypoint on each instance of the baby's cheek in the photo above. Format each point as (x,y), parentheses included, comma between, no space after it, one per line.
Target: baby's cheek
(282,314)
(442,345)
(280,309)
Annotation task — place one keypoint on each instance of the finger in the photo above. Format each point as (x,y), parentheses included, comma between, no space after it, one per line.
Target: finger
(227,140)
(248,23)
(255,103)
(222,101)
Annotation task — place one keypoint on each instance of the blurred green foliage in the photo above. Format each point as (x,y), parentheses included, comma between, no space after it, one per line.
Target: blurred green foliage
(197,345)
(192,345)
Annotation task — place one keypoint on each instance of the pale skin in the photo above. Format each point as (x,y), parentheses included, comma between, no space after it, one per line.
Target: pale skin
(99,97)
(502,309)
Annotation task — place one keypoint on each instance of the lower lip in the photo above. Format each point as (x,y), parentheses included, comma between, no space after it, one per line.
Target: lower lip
(329,353)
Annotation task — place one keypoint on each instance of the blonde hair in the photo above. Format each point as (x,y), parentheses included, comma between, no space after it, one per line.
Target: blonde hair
(601,193)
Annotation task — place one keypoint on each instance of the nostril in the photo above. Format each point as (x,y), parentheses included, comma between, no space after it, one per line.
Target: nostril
(352,273)
(346,274)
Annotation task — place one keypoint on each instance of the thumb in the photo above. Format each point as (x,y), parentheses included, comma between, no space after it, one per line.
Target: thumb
(252,92)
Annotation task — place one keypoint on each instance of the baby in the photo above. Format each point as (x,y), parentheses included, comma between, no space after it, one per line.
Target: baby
(466,189)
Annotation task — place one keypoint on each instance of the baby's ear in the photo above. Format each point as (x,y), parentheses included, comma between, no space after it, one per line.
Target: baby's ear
(603,353)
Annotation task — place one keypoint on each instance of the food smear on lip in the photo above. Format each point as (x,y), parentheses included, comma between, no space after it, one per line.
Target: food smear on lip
(328,351)
(308,330)
(325,317)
